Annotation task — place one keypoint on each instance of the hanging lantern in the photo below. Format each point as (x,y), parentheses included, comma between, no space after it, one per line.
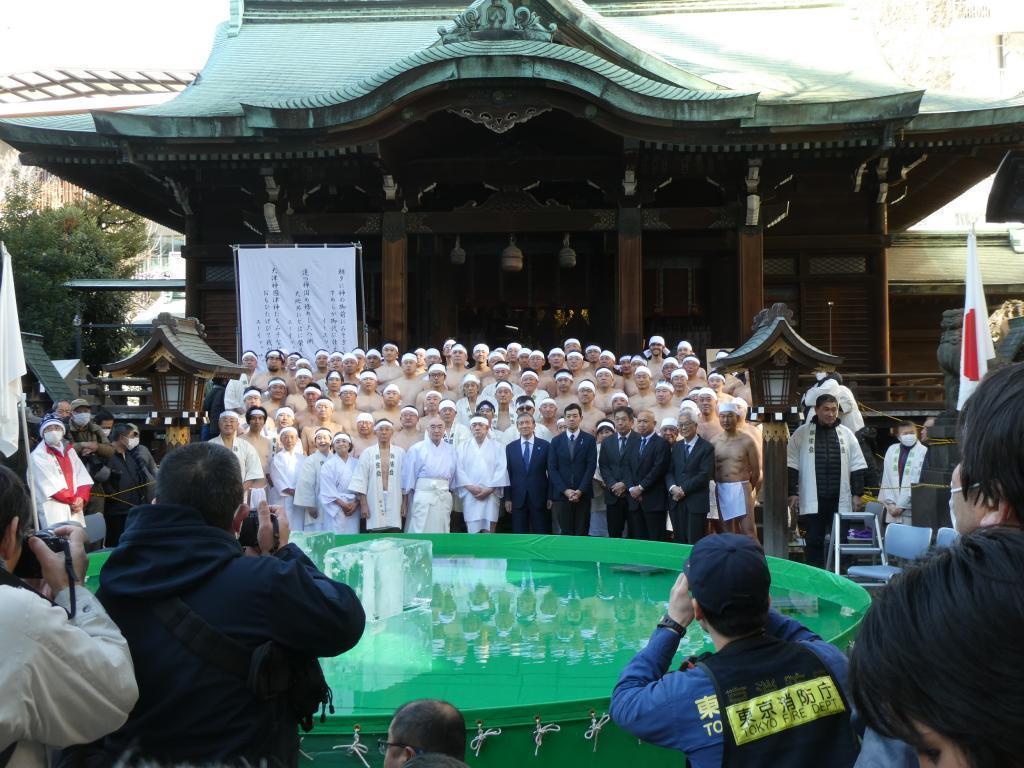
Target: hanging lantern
(566,256)
(512,257)
(458,253)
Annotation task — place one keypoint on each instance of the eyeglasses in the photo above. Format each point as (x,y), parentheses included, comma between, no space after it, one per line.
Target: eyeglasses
(383,745)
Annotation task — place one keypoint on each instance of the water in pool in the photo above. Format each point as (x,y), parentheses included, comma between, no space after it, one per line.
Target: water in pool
(511,632)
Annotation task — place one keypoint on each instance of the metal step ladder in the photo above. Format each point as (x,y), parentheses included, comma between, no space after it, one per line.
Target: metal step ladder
(838,548)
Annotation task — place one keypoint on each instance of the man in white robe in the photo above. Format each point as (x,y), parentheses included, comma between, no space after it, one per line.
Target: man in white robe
(248,459)
(377,480)
(480,475)
(427,474)
(902,468)
(339,505)
(63,484)
(234,392)
(826,475)
(285,468)
(307,492)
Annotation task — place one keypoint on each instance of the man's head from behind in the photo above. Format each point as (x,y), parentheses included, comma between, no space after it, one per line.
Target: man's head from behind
(204,476)
(729,582)
(422,726)
(990,476)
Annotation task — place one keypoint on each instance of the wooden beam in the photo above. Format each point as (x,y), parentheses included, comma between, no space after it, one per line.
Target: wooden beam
(750,276)
(830,242)
(394,266)
(629,329)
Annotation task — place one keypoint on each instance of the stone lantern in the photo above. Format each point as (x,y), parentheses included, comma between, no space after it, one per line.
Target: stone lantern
(176,362)
(774,356)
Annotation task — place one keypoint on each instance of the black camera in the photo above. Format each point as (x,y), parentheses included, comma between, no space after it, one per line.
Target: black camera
(28,566)
(251,526)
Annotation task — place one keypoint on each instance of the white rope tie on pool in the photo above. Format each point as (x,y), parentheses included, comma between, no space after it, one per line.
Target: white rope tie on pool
(481,736)
(355,748)
(301,752)
(595,727)
(538,734)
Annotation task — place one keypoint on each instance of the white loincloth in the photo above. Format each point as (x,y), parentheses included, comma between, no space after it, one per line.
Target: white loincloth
(431,508)
(732,499)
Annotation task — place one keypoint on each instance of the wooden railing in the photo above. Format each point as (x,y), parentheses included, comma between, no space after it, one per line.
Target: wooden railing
(123,396)
(896,393)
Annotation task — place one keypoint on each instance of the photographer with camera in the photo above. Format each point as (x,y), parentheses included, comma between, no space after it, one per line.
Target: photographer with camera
(63,485)
(209,627)
(64,680)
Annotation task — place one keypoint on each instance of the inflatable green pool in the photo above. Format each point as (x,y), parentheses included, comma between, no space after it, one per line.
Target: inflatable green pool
(527,635)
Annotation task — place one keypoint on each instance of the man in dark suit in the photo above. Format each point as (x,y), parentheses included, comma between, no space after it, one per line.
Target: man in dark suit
(526,496)
(572,461)
(689,474)
(648,462)
(615,473)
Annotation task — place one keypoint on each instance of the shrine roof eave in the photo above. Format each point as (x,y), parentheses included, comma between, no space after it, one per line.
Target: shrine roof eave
(190,354)
(798,115)
(967,119)
(766,337)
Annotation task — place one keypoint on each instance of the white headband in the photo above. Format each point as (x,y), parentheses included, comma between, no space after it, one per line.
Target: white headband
(479,420)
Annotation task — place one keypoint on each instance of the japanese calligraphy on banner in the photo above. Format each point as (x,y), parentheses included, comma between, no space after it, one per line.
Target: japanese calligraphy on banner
(297,299)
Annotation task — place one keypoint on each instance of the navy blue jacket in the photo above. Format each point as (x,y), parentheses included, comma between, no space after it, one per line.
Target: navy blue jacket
(648,471)
(613,464)
(527,487)
(189,710)
(693,475)
(576,472)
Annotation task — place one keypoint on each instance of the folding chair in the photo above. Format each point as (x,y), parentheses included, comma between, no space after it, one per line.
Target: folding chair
(905,542)
(946,537)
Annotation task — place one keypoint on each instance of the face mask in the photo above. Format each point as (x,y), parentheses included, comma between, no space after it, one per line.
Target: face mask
(133,443)
(952,513)
(53,438)
(81,419)
(908,440)
(820,376)
(106,432)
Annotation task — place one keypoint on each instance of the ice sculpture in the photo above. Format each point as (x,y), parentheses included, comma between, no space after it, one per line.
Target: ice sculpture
(389,575)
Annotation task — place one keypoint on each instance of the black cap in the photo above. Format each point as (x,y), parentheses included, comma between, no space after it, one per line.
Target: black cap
(728,571)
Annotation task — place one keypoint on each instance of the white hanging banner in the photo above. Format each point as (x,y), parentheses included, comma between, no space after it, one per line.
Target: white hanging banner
(297,299)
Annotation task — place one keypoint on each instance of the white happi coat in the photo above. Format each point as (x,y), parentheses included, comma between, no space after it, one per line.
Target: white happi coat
(800,456)
(49,479)
(285,467)
(849,412)
(367,478)
(480,464)
(511,434)
(335,476)
(892,490)
(307,492)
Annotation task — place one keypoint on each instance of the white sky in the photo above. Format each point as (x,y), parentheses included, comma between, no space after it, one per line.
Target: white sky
(136,34)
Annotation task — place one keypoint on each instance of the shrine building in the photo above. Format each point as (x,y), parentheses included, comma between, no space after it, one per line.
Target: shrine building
(541,169)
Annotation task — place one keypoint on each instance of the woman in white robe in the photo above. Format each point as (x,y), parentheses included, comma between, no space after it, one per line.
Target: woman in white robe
(340,508)
(307,491)
(285,467)
(481,472)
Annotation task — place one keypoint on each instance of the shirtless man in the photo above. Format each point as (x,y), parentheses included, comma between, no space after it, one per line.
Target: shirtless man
(481,360)
(529,382)
(696,374)
(626,375)
(436,382)
(556,363)
(303,379)
(680,386)
(324,410)
(643,399)
(456,371)
(409,383)
(410,432)
(350,368)
(592,415)
(668,368)
(717,382)
(605,389)
(575,362)
(307,416)
(664,408)
(391,411)
(656,348)
(389,370)
(277,394)
(369,399)
(737,472)
(548,414)
(345,416)
(608,360)
(563,394)
(709,426)
(363,437)
(333,388)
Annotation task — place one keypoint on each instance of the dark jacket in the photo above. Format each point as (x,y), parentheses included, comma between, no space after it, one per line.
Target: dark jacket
(189,710)
(90,433)
(648,471)
(574,472)
(613,463)
(528,486)
(693,474)
(129,483)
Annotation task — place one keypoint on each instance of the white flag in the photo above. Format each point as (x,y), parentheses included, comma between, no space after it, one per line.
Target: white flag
(976,342)
(12,360)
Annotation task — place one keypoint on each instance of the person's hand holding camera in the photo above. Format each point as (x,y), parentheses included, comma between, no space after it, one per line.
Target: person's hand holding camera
(52,563)
(265,532)
(680,605)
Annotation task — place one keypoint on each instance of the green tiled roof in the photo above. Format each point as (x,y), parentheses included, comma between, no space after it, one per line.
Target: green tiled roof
(39,363)
(935,258)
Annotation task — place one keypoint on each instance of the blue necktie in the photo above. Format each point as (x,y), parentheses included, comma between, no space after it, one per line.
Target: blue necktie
(643,446)
(526,454)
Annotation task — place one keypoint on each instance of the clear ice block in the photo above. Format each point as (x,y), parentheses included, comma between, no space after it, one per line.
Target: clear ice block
(388,575)
(313,544)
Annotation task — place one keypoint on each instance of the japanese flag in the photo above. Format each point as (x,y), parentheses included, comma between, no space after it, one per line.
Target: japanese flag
(12,359)
(976,342)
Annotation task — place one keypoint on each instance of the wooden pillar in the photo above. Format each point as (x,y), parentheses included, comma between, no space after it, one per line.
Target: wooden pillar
(882,291)
(749,277)
(630,320)
(775,520)
(394,279)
